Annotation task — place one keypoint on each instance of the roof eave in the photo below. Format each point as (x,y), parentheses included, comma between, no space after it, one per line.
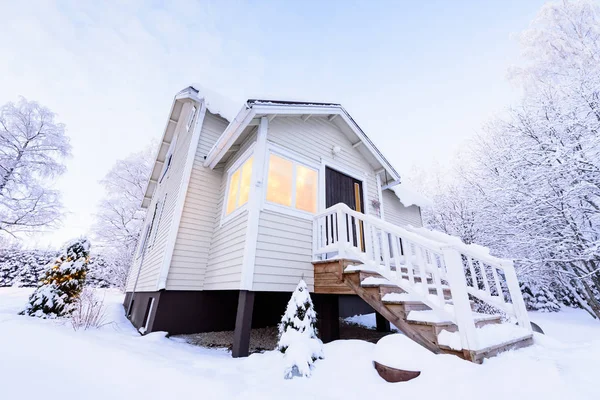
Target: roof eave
(187,93)
(255,108)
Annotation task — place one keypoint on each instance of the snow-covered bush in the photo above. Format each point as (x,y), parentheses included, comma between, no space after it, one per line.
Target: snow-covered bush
(24,268)
(539,298)
(88,311)
(298,334)
(62,282)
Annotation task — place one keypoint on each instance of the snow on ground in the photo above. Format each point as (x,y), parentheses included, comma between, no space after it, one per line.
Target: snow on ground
(47,359)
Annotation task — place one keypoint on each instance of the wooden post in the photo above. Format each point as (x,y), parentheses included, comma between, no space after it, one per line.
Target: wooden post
(243,324)
(383,325)
(460,298)
(328,316)
(515,295)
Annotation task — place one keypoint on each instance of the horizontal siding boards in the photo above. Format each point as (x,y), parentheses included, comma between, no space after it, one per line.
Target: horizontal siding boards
(224,268)
(314,139)
(396,213)
(283,252)
(194,236)
(154,256)
(284,246)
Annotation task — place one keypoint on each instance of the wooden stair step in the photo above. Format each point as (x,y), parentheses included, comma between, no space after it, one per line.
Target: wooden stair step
(431,318)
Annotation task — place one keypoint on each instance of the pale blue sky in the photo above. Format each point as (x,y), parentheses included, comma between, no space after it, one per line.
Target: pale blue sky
(419,77)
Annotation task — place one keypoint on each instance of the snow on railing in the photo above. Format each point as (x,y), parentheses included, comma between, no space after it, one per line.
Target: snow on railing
(425,264)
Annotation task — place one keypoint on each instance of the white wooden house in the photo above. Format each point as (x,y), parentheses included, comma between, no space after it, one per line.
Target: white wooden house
(243,203)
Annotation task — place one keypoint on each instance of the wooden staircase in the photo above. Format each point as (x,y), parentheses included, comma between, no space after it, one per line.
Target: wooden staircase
(410,315)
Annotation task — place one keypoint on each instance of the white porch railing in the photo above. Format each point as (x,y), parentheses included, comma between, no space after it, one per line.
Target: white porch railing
(424,264)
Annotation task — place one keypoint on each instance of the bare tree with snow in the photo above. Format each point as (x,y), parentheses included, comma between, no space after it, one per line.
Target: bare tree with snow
(32,147)
(120,217)
(530,184)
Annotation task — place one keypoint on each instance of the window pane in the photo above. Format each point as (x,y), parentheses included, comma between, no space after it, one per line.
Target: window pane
(279,182)
(306,189)
(245,182)
(234,185)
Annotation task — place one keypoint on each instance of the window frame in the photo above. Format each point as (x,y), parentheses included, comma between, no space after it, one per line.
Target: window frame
(191,118)
(249,152)
(168,159)
(296,159)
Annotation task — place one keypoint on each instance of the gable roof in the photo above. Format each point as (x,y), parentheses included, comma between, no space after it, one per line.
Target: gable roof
(256,108)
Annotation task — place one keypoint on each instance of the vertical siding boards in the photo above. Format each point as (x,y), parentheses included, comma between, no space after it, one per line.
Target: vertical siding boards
(397,213)
(192,245)
(155,251)
(284,246)
(224,267)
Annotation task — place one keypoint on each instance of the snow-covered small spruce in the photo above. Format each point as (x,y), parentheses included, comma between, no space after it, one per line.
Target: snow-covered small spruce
(539,298)
(298,334)
(62,282)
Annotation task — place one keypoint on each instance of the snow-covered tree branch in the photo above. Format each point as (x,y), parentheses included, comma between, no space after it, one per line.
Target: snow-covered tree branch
(32,145)
(529,186)
(120,216)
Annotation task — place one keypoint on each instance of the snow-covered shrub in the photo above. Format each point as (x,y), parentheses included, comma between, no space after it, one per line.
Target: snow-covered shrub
(62,282)
(24,268)
(88,311)
(539,298)
(298,334)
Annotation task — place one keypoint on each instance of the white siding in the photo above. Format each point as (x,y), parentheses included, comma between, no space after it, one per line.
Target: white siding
(283,253)
(396,213)
(156,247)
(192,246)
(224,268)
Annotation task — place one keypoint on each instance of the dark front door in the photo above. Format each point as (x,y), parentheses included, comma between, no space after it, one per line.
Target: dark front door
(341,188)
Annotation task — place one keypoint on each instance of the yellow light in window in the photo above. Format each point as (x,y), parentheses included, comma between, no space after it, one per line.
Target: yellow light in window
(234,185)
(279,181)
(245,182)
(306,189)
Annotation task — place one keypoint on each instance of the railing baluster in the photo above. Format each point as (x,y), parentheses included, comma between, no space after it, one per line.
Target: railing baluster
(341,233)
(486,284)
(376,245)
(397,256)
(474,281)
(422,269)
(497,283)
(435,274)
(409,262)
(386,250)
(351,228)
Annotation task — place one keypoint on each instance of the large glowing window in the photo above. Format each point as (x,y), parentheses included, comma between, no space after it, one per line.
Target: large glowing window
(292,184)
(239,186)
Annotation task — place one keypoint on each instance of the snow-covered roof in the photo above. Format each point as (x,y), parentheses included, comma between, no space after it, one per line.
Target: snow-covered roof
(217,103)
(409,196)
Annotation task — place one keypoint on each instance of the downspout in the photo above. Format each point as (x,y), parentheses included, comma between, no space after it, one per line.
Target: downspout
(137,278)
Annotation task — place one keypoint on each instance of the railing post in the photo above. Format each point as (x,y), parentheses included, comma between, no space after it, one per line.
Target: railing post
(460,298)
(368,237)
(515,295)
(341,233)
(315,238)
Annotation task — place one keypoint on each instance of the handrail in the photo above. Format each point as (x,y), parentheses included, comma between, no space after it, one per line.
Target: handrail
(430,243)
(424,266)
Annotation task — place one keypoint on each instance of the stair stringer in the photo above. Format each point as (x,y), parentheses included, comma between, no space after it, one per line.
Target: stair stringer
(353,281)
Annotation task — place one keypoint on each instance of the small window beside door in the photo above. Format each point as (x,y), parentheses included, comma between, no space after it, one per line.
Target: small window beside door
(292,184)
(238,190)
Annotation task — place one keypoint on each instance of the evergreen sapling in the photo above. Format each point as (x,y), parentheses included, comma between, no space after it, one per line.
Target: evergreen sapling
(298,334)
(62,282)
